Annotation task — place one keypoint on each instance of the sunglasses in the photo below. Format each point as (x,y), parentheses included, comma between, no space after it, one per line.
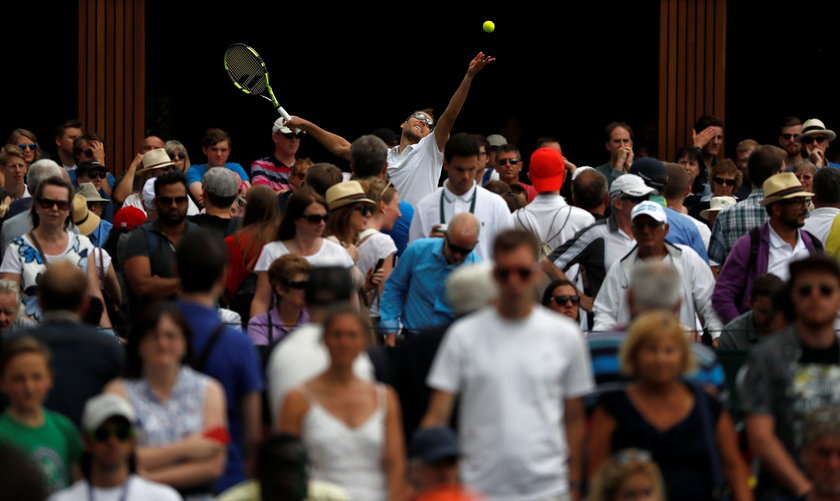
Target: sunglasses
(651,224)
(505,161)
(504,274)
(725,182)
(48,203)
(121,432)
(27,146)
(635,200)
(423,118)
(178,156)
(169,168)
(88,153)
(824,290)
(811,139)
(97,175)
(366,210)
(293,135)
(170,200)
(299,284)
(788,137)
(562,300)
(459,250)
(316,218)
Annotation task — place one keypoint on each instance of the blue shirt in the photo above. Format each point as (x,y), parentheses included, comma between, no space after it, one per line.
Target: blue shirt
(233,362)
(196,172)
(416,290)
(100,234)
(399,233)
(682,231)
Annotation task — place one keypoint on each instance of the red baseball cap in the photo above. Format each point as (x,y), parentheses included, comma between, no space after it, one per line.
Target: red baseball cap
(547,169)
(129,218)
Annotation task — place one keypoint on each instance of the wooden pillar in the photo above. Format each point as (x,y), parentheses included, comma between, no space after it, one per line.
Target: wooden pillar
(112,59)
(692,68)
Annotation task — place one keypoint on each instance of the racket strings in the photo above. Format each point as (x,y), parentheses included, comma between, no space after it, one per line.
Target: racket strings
(245,69)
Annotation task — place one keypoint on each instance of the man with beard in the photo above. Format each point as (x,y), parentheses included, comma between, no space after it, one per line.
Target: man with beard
(414,166)
(791,129)
(768,248)
(150,249)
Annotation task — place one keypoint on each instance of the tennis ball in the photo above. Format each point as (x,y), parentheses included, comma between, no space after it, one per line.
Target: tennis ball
(489,26)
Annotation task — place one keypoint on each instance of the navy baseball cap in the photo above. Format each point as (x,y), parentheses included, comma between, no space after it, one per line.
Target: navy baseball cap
(434,444)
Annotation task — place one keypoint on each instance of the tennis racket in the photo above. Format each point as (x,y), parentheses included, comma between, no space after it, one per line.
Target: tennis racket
(249,74)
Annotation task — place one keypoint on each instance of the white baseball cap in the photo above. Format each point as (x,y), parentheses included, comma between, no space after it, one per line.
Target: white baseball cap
(630,184)
(280,127)
(103,407)
(648,208)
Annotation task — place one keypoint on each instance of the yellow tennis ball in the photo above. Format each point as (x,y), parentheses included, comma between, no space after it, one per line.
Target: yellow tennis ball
(489,26)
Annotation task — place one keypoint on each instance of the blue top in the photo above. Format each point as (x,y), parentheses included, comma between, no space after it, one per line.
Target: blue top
(416,290)
(100,234)
(234,362)
(682,231)
(196,172)
(399,233)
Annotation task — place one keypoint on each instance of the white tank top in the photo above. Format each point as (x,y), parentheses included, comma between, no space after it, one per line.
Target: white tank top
(350,457)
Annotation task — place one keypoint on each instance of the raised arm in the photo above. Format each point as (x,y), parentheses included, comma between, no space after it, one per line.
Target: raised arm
(334,143)
(447,120)
(126,184)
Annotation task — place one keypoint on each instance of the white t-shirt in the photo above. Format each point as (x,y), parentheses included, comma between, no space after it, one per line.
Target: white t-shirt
(300,357)
(139,489)
(330,254)
(415,172)
(136,200)
(490,209)
(513,378)
(372,249)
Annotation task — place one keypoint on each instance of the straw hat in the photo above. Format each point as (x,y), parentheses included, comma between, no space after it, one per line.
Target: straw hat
(84,219)
(781,187)
(717,204)
(346,193)
(156,159)
(815,127)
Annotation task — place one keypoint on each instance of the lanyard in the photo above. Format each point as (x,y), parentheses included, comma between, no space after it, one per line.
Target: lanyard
(472,204)
(123,495)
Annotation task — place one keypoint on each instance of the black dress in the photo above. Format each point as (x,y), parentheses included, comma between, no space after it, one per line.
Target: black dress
(681,451)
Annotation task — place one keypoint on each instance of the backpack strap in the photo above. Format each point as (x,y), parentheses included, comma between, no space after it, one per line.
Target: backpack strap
(201,361)
(816,242)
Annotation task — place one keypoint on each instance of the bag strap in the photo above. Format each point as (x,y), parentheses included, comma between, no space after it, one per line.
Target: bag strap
(38,247)
(568,215)
(201,361)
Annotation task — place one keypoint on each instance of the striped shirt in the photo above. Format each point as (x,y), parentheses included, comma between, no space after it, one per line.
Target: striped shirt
(271,172)
(735,222)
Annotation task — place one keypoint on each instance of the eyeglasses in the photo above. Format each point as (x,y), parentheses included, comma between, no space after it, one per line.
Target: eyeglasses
(98,175)
(811,139)
(316,218)
(121,432)
(825,290)
(169,200)
(794,201)
(504,274)
(505,161)
(299,284)
(788,137)
(725,182)
(426,120)
(27,146)
(293,135)
(169,168)
(635,200)
(48,203)
(650,224)
(562,300)
(459,250)
(365,209)
(178,156)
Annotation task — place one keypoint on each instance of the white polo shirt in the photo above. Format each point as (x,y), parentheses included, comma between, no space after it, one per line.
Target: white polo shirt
(415,172)
(781,254)
(819,222)
(490,209)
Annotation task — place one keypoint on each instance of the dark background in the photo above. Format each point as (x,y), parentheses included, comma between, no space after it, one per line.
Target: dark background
(562,69)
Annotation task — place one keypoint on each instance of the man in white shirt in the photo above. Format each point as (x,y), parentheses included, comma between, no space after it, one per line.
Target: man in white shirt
(414,165)
(826,203)
(549,218)
(460,194)
(650,225)
(520,371)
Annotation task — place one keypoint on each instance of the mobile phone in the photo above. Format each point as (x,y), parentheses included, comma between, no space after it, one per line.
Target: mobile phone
(379,264)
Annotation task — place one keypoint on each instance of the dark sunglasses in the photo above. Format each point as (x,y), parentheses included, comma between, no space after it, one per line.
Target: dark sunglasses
(366,210)
(562,300)
(423,118)
(505,161)
(504,274)
(169,200)
(293,135)
(725,182)
(169,168)
(635,200)
(121,432)
(25,146)
(316,218)
(48,203)
(788,137)
(178,156)
(806,290)
(650,224)
(300,284)
(459,250)
(97,175)
(811,139)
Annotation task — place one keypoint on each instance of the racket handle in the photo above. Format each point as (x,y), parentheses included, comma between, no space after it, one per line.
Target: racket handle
(286,116)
